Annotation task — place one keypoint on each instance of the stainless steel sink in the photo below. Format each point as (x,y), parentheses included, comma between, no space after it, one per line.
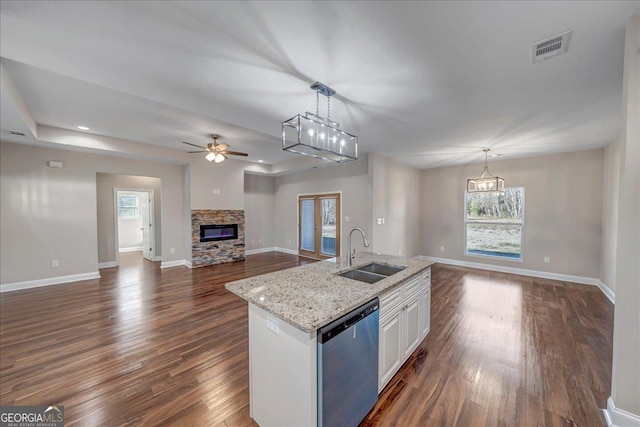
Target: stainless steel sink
(362,276)
(371,273)
(385,270)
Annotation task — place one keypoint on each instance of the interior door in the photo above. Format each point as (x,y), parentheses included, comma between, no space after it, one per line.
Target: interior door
(146,213)
(319,225)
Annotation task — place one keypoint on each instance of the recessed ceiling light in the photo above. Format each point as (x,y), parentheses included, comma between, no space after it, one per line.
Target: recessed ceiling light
(82,127)
(260,161)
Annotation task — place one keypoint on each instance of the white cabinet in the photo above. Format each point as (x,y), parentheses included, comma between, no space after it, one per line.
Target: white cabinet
(411,327)
(390,345)
(424,305)
(404,312)
(424,308)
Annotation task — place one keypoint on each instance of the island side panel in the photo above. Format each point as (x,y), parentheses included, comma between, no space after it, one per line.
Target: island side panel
(282,372)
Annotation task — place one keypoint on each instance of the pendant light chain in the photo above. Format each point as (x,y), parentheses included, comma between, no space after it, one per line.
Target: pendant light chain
(317,103)
(329,108)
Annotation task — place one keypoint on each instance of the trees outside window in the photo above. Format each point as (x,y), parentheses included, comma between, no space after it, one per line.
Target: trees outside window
(493,223)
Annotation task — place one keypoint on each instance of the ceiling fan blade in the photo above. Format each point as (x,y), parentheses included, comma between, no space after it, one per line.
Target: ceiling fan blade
(199,146)
(205,151)
(235,153)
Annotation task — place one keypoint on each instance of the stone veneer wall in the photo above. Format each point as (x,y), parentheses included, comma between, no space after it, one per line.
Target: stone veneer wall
(216,252)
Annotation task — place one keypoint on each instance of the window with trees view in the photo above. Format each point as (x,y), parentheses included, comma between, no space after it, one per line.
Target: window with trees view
(493,223)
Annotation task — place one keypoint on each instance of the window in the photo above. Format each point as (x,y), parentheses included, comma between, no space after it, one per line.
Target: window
(493,223)
(128,206)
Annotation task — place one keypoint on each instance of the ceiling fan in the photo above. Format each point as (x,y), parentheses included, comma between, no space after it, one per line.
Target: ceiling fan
(217,152)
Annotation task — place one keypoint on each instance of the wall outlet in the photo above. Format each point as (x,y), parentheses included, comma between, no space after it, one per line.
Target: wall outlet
(253,243)
(441,248)
(547,259)
(289,241)
(383,220)
(273,324)
(399,251)
(216,191)
(55,263)
(346,218)
(172,250)
(260,241)
(379,221)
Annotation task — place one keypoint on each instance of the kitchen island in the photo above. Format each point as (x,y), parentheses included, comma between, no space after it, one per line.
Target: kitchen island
(286,308)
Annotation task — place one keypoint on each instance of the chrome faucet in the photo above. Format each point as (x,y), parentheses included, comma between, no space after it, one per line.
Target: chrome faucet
(364,240)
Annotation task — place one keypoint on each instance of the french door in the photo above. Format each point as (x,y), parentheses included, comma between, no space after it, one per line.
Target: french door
(319,225)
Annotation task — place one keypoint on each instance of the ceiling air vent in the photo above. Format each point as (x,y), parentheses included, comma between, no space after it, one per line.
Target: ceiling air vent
(14,132)
(550,47)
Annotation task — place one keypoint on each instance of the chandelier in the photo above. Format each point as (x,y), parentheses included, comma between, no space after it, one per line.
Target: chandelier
(485,182)
(317,136)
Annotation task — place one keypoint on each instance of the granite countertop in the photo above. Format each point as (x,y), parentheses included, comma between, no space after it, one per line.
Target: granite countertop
(311,296)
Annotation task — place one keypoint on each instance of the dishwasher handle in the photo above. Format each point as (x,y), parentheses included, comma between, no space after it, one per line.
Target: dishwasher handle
(355,319)
(348,320)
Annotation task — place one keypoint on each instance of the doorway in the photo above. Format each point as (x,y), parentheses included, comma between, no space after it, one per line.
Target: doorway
(319,225)
(135,229)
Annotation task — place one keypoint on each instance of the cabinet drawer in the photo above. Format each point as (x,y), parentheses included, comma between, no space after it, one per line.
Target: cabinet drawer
(390,300)
(412,286)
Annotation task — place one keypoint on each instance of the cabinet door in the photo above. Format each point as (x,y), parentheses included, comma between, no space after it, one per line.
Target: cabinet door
(411,326)
(390,351)
(424,307)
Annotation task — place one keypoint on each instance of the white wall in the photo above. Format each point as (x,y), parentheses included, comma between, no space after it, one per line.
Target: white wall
(350,178)
(48,214)
(260,207)
(206,176)
(395,189)
(562,218)
(625,386)
(610,189)
(130,233)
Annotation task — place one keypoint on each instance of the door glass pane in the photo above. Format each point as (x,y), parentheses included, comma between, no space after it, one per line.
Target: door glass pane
(328,223)
(307,233)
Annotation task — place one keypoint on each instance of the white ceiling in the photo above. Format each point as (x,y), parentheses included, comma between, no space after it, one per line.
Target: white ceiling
(429,83)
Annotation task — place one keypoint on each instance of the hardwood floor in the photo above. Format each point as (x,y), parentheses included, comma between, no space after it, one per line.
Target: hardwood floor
(505,350)
(145,346)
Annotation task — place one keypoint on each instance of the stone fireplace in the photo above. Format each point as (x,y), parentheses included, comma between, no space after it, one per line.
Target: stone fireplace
(217,236)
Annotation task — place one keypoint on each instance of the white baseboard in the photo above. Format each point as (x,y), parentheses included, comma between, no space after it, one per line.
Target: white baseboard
(108,264)
(131,249)
(607,292)
(616,417)
(48,282)
(176,263)
(286,251)
(259,251)
(523,272)
(188,264)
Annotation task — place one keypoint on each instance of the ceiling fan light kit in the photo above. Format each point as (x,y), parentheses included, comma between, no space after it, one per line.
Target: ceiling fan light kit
(485,182)
(317,136)
(215,152)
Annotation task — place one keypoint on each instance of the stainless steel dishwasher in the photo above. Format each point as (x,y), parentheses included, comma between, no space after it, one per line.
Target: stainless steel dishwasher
(348,367)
